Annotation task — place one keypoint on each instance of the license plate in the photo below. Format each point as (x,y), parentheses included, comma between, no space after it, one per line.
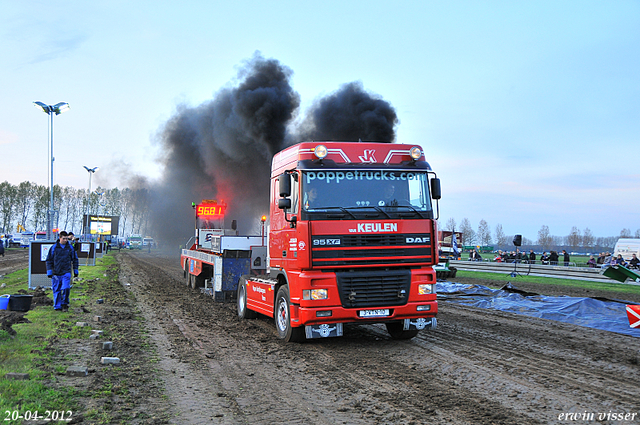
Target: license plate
(374,313)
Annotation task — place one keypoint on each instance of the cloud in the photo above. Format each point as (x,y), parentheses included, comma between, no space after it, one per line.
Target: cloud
(59,46)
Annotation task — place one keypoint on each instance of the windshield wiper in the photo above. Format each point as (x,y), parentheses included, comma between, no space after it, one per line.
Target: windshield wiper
(372,206)
(339,208)
(414,209)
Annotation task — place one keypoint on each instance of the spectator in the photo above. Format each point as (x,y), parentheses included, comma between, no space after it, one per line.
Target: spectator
(553,258)
(1,248)
(601,259)
(620,261)
(61,259)
(591,262)
(475,255)
(633,263)
(498,258)
(565,254)
(544,258)
(532,257)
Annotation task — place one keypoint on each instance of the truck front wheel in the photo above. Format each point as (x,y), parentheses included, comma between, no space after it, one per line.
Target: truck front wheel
(396,331)
(243,311)
(283,318)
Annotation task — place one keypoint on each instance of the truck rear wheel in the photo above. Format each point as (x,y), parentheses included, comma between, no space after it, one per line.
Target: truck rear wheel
(396,331)
(286,332)
(243,311)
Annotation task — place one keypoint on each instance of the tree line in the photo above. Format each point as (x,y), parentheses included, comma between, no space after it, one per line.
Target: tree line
(576,239)
(26,205)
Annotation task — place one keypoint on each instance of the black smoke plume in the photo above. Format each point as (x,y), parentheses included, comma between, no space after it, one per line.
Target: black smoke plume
(222,149)
(350,113)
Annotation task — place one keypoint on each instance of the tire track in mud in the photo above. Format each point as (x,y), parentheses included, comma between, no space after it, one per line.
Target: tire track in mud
(478,367)
(598,366)
(258,386)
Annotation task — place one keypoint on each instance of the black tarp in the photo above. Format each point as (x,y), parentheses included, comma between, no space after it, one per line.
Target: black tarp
(598,313)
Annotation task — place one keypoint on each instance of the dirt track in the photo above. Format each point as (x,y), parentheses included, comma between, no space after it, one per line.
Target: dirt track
(478,367)
(205,366)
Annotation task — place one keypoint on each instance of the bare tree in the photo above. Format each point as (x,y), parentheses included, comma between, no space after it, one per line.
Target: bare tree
(638,233)
(501,238)
(544,238)
(8,195)
(468,234)
(625,233)
(40,207)
(26,198)
(587,238)
(451,225)
(484,233)
(574,239)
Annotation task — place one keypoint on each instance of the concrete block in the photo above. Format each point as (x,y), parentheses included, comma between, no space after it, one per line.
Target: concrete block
(77,371)
(97,332)
(17,376)
(82,324)
(97,318)
(94,336)
(109,360)
(107,345)
(100,301)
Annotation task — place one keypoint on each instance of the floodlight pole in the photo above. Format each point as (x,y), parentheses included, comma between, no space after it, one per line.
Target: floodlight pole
(50,110)
(91,171)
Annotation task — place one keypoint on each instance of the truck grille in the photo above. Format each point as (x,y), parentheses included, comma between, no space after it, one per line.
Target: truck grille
(341,251)
(368,289)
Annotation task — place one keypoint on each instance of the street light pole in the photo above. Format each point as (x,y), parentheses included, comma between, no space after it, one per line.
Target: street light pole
(90,171)
(50,110)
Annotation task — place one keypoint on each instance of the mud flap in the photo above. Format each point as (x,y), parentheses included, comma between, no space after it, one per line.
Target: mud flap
(419,324)
(323,331)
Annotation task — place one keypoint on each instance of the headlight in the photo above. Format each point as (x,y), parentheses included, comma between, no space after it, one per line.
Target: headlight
(315,294)
(320,151)
(426,288)
(415,152)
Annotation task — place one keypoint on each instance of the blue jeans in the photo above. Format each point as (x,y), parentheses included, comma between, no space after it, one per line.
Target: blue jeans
(61,287)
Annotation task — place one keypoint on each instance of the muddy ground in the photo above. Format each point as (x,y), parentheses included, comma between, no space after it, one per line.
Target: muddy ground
(191,361)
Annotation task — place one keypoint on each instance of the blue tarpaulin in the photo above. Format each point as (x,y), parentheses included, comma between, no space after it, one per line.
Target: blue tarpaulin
(598,313)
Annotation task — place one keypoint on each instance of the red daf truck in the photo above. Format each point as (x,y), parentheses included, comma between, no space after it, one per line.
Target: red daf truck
(352,238)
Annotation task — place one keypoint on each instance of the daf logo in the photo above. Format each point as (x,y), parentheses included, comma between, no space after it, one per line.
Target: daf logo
(418,240)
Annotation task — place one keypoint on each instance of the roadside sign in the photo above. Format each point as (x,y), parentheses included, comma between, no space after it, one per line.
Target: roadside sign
(633,312)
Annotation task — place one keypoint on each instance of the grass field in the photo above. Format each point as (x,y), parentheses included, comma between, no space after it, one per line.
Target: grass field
(29,352)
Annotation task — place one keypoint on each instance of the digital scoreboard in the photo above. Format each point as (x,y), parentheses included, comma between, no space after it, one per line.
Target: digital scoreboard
(210,210)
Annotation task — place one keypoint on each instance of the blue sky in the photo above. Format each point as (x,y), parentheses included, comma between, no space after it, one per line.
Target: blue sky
(530,113)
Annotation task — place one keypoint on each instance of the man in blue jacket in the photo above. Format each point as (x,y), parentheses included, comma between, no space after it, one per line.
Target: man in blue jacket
(61,260)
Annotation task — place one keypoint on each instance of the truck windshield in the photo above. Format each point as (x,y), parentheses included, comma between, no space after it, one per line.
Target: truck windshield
(387,192)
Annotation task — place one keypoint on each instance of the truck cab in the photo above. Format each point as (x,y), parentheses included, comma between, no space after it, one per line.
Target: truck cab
(352,238)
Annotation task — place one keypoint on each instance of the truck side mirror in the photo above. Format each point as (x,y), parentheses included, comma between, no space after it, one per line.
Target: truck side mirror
(284,186)
(435,188)
(284,203)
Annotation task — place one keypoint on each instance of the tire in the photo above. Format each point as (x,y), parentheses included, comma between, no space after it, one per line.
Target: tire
(396,331)
(283,318)
(243,311)
(454,271)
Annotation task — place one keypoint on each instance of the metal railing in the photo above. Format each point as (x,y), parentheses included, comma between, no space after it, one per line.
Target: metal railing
(557,271)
